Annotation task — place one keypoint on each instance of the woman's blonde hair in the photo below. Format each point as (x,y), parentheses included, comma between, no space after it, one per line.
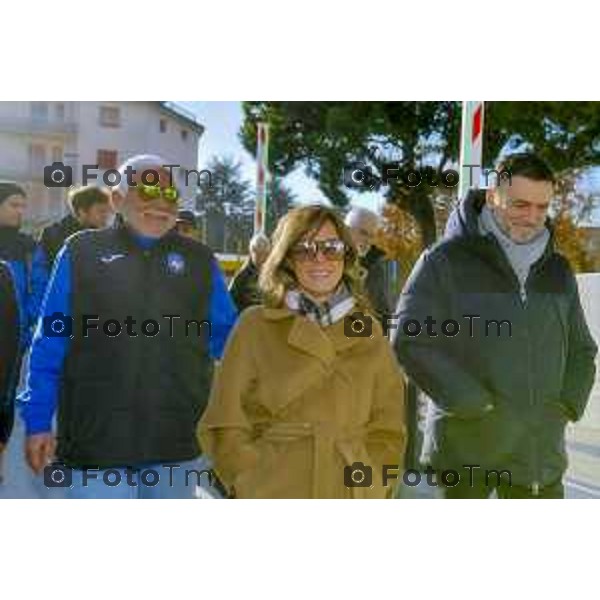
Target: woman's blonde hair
(277,275)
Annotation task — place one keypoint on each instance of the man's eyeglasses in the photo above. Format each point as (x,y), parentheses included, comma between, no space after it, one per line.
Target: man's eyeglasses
(151,192)
(330,249)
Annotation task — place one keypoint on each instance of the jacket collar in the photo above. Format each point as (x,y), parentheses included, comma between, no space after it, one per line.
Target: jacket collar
(373,255)
(309,337)
(71,222)
(463,223)
(13,237)
(8,232)
(317,348)
(127,236)
(464,218)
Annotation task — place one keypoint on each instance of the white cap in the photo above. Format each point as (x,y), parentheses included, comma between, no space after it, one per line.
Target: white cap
(259,242)
(362,218)
(141,163)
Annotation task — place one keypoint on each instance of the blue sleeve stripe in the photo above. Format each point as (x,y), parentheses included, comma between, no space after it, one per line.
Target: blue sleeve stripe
(39,400)
(222,312)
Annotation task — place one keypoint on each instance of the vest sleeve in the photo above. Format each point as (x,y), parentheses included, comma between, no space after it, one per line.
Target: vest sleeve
(222,313)
(39,399)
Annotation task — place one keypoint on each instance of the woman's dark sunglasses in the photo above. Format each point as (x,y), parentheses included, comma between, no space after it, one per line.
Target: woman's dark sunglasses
(308,250)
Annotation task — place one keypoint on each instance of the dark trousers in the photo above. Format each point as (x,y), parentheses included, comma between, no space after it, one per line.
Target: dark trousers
(477,489)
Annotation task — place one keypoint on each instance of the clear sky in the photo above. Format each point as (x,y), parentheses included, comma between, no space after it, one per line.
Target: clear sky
(222,121)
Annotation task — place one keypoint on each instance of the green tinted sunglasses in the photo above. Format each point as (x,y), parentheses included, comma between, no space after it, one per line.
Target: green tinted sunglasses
(151,192)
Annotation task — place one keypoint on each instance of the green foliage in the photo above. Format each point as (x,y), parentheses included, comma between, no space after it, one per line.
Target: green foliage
(226,206)
(324,137)
(280,200)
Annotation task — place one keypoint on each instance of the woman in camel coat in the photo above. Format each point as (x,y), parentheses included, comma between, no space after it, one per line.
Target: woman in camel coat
(299,398)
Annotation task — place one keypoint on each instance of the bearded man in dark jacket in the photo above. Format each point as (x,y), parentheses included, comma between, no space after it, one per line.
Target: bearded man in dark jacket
(504,350)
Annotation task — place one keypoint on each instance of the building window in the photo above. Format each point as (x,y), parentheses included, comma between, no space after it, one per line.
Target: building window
(107,159)
(39,111)
(37,160)
(55,202)
(57,154)
(37,208)
(163,125)
(60,112)
(184,134)
(110,116)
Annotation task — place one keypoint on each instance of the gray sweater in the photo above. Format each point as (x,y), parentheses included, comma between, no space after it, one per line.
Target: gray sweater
(520,256)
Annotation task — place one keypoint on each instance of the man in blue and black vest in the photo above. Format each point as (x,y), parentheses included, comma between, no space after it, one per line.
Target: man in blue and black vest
(133,317)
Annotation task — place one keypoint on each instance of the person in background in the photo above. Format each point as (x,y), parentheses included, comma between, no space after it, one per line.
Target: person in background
(89,208)
(9,355)
(302,405)
(244,286)
(24,257)
(187,224)
(363,225)
(130,401)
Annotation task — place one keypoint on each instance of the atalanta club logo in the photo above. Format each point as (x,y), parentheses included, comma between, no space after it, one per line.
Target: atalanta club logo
(175,263)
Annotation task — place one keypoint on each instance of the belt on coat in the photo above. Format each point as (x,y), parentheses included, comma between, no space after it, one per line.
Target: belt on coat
(327,439)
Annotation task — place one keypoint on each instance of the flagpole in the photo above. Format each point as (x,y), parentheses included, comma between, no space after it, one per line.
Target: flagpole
(262,174)
(471,147)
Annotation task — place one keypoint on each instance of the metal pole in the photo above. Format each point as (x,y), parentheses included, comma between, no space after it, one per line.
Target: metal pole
(471,147)
(262,173)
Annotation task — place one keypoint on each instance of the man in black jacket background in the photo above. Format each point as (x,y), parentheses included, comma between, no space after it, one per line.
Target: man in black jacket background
(363,225)
(9,352)
(514,360)
(23,255)
(89,208)
(244,286)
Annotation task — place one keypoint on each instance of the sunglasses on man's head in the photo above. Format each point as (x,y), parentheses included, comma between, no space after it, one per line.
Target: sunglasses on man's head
(330,249)
(151,192)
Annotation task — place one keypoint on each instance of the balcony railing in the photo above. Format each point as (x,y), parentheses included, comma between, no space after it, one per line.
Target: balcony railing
(19,174)
(33,126)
